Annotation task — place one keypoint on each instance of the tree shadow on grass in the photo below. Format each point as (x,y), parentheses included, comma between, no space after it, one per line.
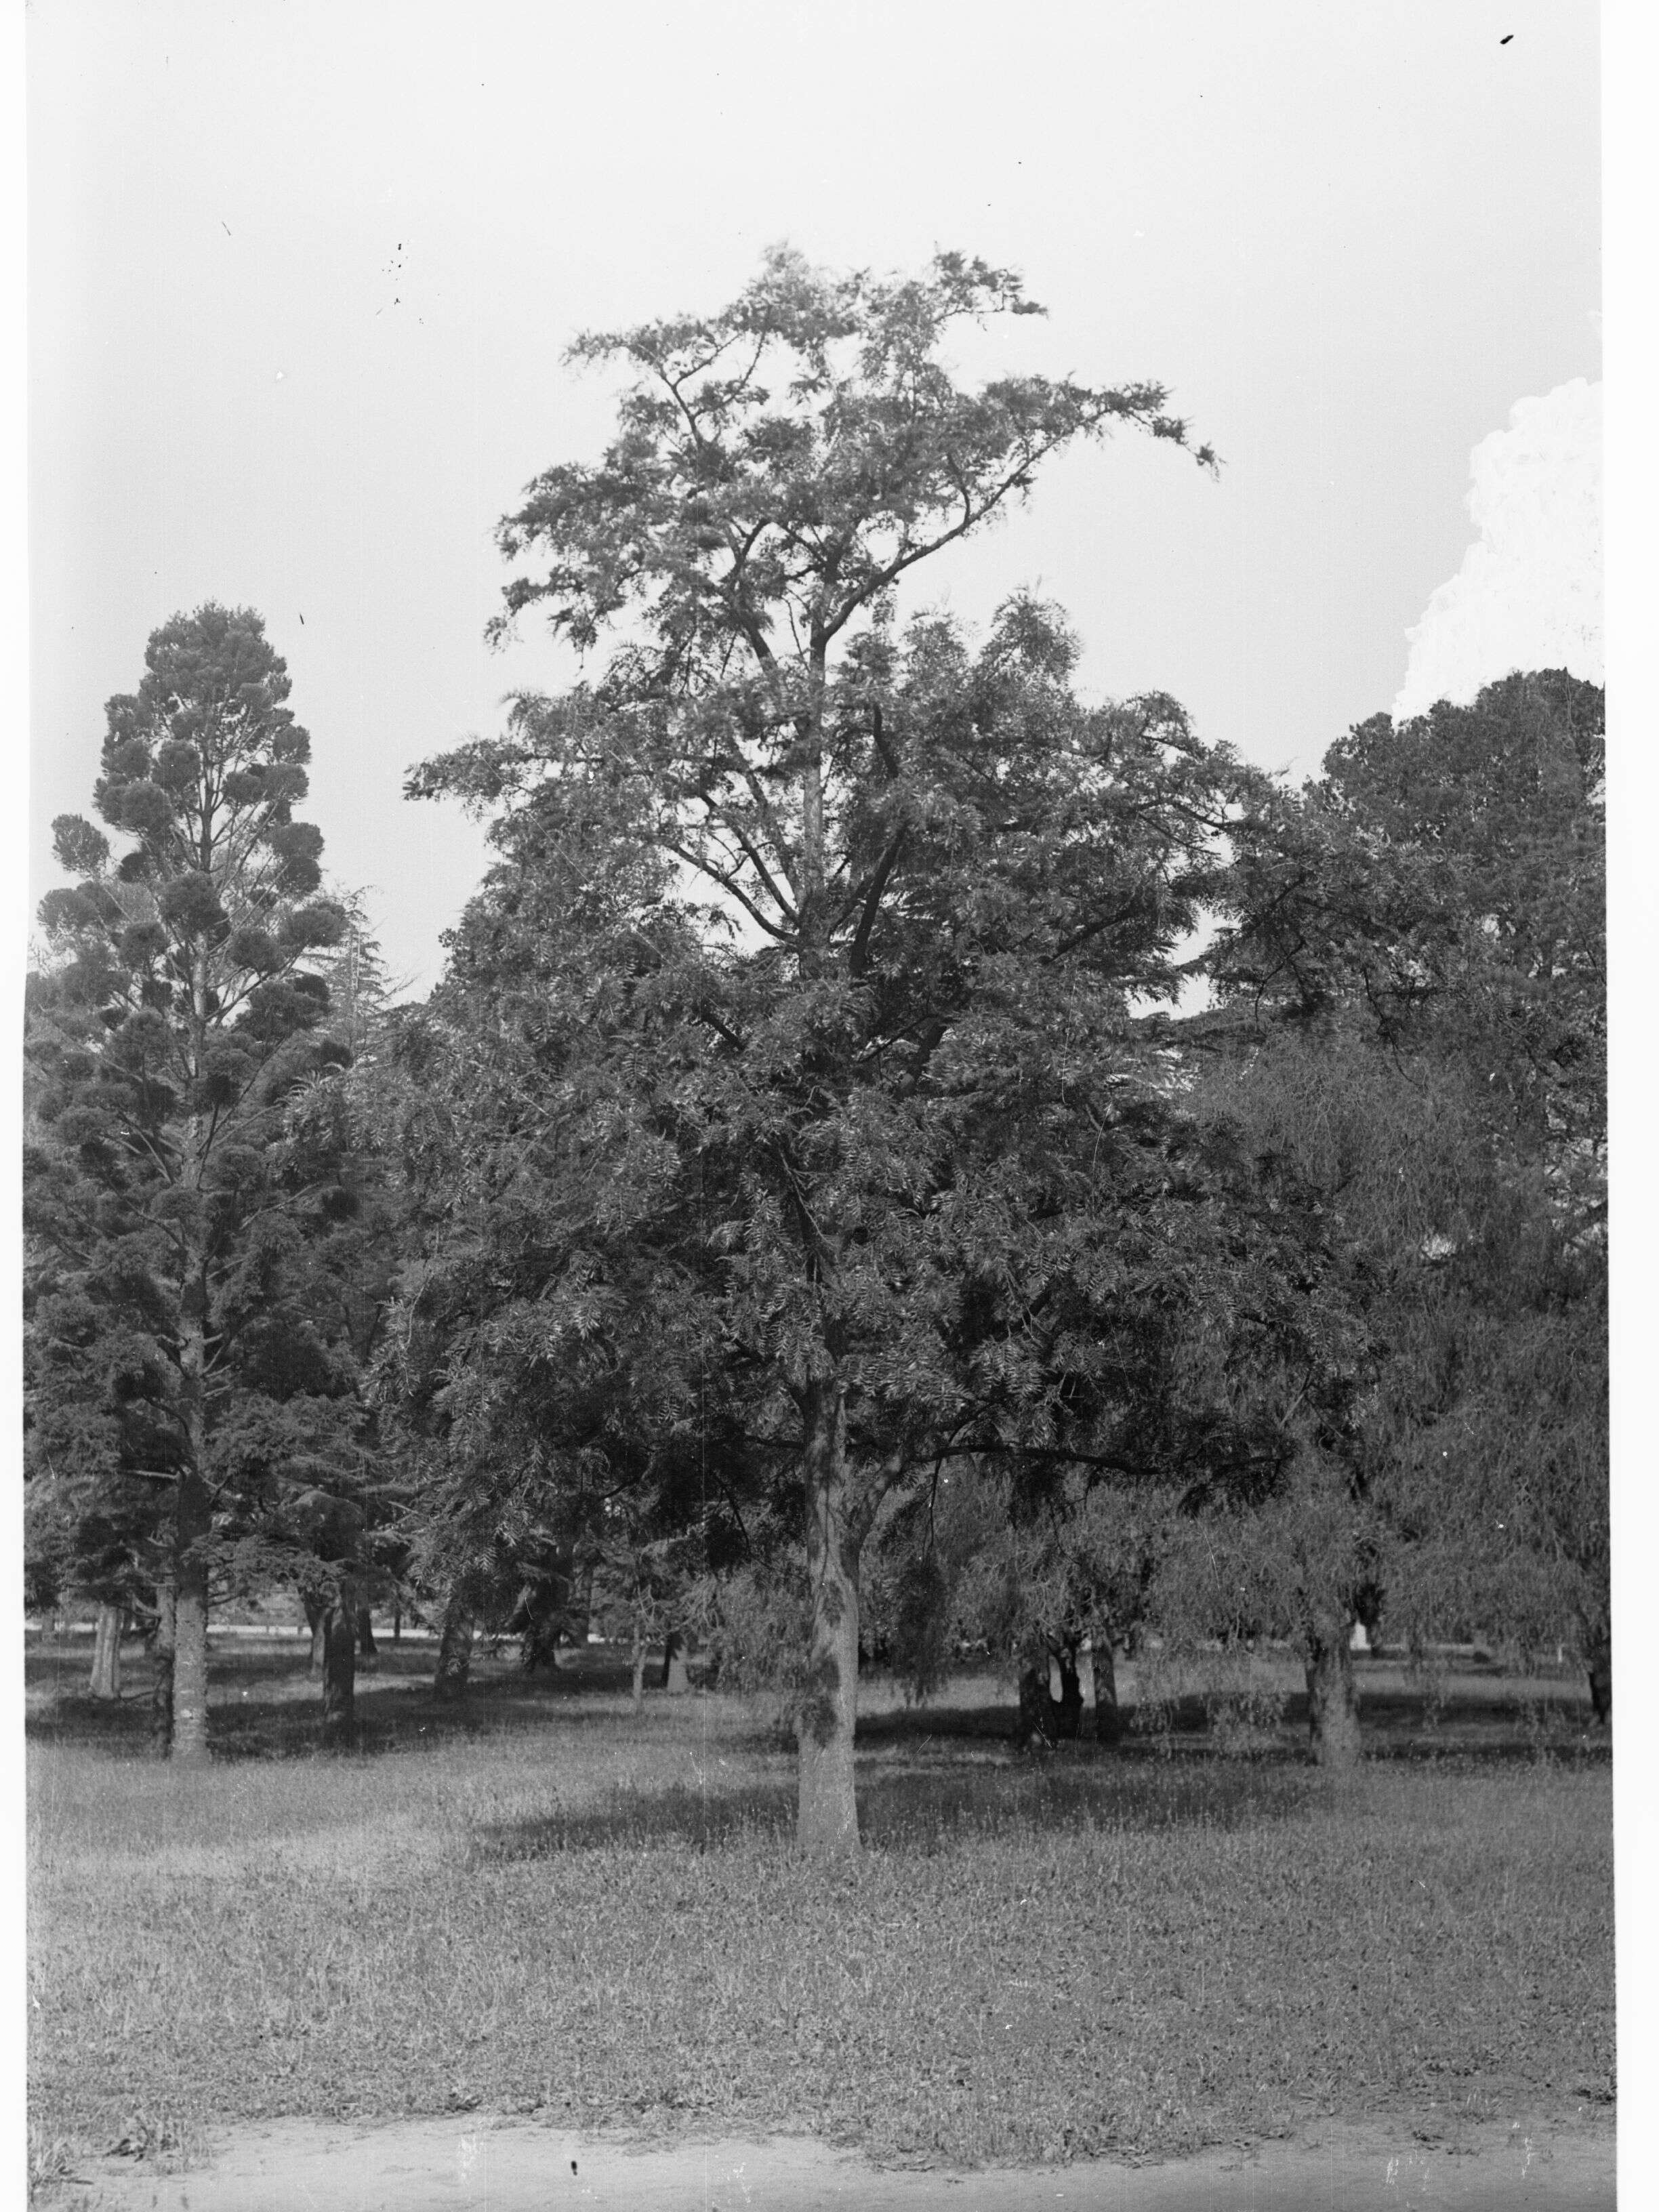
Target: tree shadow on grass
(265,1704)
(921,1807)
(980,1722)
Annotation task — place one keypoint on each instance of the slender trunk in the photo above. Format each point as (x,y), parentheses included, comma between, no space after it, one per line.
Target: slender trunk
(1333,1706)
(1599,1667)
(190,1630)
(193,1506)
(317,1622)
(106,1653)
(639,1664)
(340,1668)
(1066,1697)
(162,1647)
(396,1624)
(810,898)
(455,1650)
(369,1650)
(1109,1720)
(827,1817)
(589,1624)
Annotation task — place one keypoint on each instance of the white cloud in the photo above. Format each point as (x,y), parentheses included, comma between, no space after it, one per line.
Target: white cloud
(1529,594)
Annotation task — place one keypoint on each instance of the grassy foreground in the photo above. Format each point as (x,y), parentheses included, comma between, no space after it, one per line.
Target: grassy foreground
(552,1906)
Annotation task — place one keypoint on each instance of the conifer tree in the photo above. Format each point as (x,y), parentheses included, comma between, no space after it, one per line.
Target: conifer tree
(179,1373)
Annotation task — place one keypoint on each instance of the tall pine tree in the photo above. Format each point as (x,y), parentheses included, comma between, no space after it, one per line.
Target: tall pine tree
(175,1352)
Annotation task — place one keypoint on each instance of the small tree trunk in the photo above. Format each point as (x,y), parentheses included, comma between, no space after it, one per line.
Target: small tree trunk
(189,1635)
(317,1622)
(161,1644)
(455,1650)
(1109,1720)
(675,1678)
(340,1668)
(827,1816)
(639,1664)
(396,1624)
(1066,1695)
(193,1524)
(106,1653)
(1332,1707)
(368,1650)
(1599,1667)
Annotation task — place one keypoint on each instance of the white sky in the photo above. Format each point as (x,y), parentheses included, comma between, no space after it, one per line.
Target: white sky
(301,275)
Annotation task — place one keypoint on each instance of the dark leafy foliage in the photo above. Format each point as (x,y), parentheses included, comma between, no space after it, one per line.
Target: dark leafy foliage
(1421,944)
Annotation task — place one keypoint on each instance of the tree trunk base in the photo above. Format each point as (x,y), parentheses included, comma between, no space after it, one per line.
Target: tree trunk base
(454,1651)
(1600,1670)
(826,1820)
(161,1652)
(340,1673)
(106,1653)
(827,1817)
(190,1671)
(1108,1719)
(1333,1705)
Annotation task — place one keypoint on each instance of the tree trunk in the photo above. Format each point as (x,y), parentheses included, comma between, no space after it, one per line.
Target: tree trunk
(1109,1720)
(639,1665)
(161,1649)
(340,1668)
(827,1817)
(396,1624)
(193,1504)
(1599,1667)
(1332,1707)
(368,1650)
(590,1626)
(189,1632)
(317,1622)
(454,1650)
(106,1653)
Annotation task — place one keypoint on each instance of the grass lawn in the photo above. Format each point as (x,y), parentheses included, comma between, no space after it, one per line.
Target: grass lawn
(542,1903)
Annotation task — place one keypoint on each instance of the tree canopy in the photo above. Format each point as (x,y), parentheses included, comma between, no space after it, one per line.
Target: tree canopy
(1420,944)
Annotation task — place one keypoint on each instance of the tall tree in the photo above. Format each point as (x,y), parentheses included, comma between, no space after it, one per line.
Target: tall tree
(174,1340)
(862,1126)
(905,874)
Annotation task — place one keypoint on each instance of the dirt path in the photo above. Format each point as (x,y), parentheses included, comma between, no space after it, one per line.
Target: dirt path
(473,2164)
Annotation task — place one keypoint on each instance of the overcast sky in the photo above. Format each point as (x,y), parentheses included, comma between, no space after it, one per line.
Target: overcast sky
(302,275)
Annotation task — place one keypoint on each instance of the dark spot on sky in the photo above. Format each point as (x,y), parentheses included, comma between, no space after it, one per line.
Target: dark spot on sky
(1507,36)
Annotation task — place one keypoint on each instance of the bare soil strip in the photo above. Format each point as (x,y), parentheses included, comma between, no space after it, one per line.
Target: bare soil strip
(472,2163)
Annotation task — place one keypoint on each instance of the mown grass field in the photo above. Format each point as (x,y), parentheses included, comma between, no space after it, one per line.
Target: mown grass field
(541,1904)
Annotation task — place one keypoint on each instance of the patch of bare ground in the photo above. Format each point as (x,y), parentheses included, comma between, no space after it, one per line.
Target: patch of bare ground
(503,2166)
